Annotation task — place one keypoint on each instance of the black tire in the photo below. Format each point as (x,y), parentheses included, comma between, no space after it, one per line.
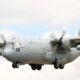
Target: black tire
(61,66)
(56,66)
(33,67)
(39,67)
(15,65)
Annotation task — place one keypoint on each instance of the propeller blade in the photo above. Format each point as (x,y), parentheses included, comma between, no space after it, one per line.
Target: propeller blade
(59,42)
(3,38)
(62,36)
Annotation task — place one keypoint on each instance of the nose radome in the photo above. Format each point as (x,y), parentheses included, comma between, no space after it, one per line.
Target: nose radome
(7,52)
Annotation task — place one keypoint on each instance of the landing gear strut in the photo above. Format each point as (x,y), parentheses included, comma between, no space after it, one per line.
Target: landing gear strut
(15,65)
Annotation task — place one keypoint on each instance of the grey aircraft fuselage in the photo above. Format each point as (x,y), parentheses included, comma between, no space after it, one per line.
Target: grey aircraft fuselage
(38,52)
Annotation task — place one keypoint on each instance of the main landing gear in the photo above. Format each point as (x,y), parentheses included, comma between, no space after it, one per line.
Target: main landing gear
(56,65)
(15,65)
(36,66)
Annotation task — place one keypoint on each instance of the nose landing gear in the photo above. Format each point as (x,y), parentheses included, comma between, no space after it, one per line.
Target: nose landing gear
(15,65)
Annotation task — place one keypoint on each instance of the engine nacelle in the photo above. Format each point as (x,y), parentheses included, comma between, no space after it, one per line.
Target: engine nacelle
(78,47)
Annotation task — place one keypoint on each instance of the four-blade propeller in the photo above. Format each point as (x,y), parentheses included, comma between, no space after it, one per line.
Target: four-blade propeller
(58,43)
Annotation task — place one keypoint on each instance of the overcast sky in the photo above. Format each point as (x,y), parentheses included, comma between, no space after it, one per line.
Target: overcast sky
(33,18)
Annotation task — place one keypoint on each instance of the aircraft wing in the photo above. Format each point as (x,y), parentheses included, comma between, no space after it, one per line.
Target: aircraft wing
(74,42)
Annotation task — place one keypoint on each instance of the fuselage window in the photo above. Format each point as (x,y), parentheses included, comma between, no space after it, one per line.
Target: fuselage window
(17,46)
(18,49)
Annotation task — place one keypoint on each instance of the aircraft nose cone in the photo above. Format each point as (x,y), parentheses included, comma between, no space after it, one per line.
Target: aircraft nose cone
(7,52)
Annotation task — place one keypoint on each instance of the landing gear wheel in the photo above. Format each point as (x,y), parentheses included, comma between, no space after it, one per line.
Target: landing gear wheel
(33,67)
(61,66)
(15,65)
(36,66)
(39,67)
(56,66)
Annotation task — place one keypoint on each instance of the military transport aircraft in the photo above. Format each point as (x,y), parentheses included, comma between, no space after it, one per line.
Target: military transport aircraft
(36,53)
